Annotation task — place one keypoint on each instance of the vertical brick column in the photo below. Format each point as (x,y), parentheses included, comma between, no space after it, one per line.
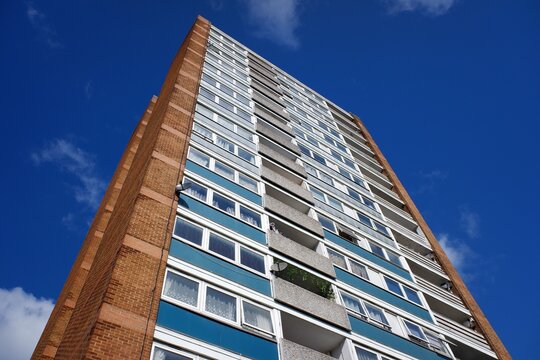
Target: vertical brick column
(61,314)
(460,287)
(114,313)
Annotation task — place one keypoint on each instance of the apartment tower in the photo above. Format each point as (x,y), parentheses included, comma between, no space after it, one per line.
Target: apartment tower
(252,218)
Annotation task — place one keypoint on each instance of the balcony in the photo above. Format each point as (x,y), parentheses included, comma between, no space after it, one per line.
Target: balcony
(292,351)
(268,103)
(408,237)
(292,214)
(466,343)
(438,293)
(278,136)
(425,263)
(287,185)
(392,210)
(311,303)
(283,159)
(300,252)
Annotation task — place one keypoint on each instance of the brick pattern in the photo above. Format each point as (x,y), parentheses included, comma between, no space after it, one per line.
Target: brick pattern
(117,279)
(459,286)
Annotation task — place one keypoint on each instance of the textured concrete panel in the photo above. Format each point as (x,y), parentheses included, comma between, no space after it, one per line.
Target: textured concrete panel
(293,215)
(300,253)
(268,92)
(264,101)
(277,136)
(280,159)
(286,184)
(275,120)
(310,303)
(292,351)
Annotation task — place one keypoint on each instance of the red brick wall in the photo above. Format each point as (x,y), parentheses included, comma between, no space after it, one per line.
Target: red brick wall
(115,284)
(459,286)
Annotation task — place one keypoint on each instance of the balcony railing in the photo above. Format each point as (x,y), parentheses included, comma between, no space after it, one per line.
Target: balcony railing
(462,333)
(439,292)
(430,264)
(421,239)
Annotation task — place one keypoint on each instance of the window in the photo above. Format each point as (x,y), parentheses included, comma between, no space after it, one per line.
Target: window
(223,170)
(415,330)
(425,337)
(220,304)
(364,219)
(393,286)
(377,250)
(385,254)
(221,246)
(394,258)
(162,354)
(188,231)
(359,269)
(365,355)
(252,259)
(376,314)
(353,304)
(326,223)
(223,203)
(224,144)
(412,295)
(250,217)
(181,288)
(257,317)
(246,155)
(208,114)
(319,195)
(337,258)
(244,115)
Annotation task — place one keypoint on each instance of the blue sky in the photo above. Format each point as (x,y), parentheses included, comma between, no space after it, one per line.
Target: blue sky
(449,90)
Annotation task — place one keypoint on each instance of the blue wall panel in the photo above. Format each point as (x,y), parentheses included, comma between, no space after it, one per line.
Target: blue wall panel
(367,255)
(219,217)
(392,340)
(227,184)
(219,267)
(216,333)
(382,294)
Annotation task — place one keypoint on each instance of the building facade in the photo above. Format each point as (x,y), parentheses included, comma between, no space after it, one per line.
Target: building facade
(289,237)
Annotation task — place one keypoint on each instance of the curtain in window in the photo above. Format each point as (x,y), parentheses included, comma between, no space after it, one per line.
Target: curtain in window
(365,355)
(188,231)
(250,217)
(376,314)
(258,317)
(221,304)
(199,158)
(352,304)
(415,330)
(223,204)
(359,270)
(197,191)
(221,246)
(337,259)
(181,288)
(224,144)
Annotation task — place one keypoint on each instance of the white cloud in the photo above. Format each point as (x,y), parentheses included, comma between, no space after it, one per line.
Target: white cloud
(42,26)
(430,179)
(276,20)
(459,253)
(430,7)
(77,162)
(22,319)
(470,222)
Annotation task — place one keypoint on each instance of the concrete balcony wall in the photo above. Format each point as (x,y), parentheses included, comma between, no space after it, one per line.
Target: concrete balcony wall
(313,304)
(259,61)
(293,215)
(262,70)
(274,95)
(264,101)
(282,160)
(274,119)
(292,351)
(265,80)
(258,82)
(278,137)
(287,184)
(300,253)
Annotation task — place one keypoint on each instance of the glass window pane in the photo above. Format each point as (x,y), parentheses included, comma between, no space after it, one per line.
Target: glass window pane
(225,104)
(370,204)
(337,258)
(202,131)
(319,158)
(224,171)
(435,341)
(221,246)
(381,228)
(246,155)
(354,194)
(258,317)
(415,330)
(359,269)
(224,144)
(197,191)
(352,303)
(326,223)
(225,123)
(227,90)
(394,258)
(244,133)
(335,203)
(250,216)
(244,115)
(393,286)
(412,295)
(376,314)
(364,219)
(304,150)
(252,259)
(317,194)
(207,94)
(359,181)
(377,250)
(198,157)
(365,355)
(223,203)
(162,354)
(181,288)
(327,179)
(220,304)
(248,182)
(188,231)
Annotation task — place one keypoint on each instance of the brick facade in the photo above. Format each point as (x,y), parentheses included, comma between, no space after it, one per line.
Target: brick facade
(108,306)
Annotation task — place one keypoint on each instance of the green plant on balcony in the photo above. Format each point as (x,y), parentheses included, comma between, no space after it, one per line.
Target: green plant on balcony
(306,280)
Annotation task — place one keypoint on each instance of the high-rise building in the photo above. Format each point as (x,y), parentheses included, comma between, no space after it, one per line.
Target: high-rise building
(252,218)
